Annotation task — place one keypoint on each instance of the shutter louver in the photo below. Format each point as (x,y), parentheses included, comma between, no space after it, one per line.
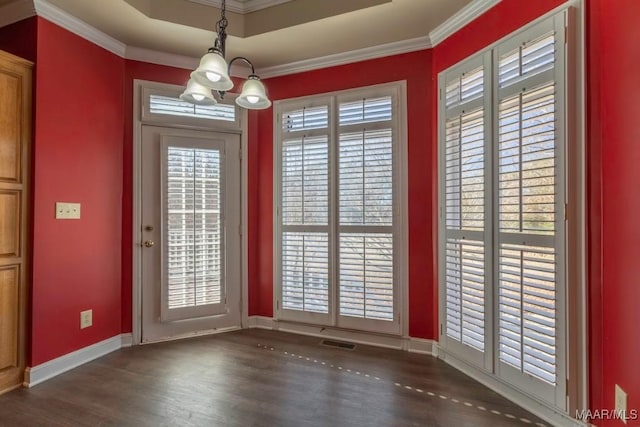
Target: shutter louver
(468,87)
(528,310)
(530,59)
(306,119)
(527,162)
(159,104)
(194,250)
(366,275)
(305,181)
(464,171)
(465,282)
(366,178)
(365,111)
(305,272)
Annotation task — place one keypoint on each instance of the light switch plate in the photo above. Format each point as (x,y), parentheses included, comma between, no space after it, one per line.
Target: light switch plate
(621,402)
(67,210)
(86,319)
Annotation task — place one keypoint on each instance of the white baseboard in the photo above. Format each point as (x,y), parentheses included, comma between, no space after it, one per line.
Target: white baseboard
(422,346)
(365,338)
(412,345)
(126,340)
(259,322)
(536,407)
(37,374)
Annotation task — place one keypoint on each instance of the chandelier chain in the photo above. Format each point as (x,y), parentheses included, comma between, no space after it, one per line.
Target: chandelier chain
(221,28)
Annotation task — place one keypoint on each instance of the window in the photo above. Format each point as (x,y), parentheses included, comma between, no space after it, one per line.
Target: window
(337,182)
(172,106)
(193,253)
(502,194)
(161,102)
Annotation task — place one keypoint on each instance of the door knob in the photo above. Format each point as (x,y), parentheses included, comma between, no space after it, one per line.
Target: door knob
(149,243)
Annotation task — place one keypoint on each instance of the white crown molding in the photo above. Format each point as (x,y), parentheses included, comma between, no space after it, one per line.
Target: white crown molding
(160,58)
(394,48)
(460,19)
(79,27)
(16,11)
(37,374)
(245,7)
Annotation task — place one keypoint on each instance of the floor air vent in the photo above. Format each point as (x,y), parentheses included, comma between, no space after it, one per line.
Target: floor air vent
(338,344)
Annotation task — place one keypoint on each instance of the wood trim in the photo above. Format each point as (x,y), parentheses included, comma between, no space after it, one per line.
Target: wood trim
(11,378)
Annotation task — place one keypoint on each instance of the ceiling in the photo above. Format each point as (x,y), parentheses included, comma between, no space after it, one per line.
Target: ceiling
(269,32)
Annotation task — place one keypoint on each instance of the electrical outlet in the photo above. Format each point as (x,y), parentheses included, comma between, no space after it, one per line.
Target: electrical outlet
(86,319)
(621,402)
(67,210)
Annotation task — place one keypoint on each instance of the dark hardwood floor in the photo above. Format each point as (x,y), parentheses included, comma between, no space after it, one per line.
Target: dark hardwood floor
(260,378)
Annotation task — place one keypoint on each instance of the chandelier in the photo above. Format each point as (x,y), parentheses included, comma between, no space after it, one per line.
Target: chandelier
(213,75)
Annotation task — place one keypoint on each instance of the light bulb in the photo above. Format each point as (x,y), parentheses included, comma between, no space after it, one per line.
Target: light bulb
(253,99)
(198,97)
(214,77)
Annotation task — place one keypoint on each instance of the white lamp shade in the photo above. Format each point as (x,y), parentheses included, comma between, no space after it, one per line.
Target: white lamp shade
(213,72)
(198,94)
(254,95)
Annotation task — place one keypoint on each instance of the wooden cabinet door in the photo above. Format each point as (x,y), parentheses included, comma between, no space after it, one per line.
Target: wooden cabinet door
(15,137)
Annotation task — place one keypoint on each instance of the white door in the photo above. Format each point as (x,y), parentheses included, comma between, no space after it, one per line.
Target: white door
(191,265)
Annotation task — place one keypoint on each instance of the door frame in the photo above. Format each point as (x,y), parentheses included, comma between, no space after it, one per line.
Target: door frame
(240,127)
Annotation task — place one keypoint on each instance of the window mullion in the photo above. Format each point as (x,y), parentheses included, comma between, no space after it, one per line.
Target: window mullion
(334,206)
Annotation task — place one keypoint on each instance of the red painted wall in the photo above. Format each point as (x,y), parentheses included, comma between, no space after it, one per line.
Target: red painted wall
(613,227)
(20,38)
(78,158)
(415,69)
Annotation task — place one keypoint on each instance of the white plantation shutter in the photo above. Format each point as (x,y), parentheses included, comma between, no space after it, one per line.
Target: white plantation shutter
(530,196)
(160,104)
(304,210)
(502,200)
(366,275)
(193,250)
(336,219)
(527,309)
(464,196)
(366,178)
(465,278)
(365,205)
(306,118)
(305,181)
(305,272)
(366,111)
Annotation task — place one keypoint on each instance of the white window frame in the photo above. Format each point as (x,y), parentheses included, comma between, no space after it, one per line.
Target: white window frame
(399,324)
(488,363)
